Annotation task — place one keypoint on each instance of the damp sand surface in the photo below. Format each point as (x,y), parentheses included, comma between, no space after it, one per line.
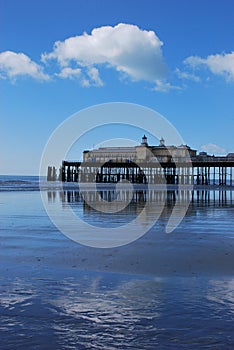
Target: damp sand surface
(167,291)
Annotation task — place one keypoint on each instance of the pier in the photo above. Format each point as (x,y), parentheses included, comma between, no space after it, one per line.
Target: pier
(213,171)
(144,164)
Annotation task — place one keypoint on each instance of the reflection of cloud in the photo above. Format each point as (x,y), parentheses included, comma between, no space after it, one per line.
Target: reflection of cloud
(11,300)
(107,309)
(128,299)
(222,294)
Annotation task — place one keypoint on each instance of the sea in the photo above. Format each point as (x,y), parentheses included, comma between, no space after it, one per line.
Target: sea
(159,289)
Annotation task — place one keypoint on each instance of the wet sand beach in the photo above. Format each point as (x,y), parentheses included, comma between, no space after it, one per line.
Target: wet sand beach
(198,247)
(157,292)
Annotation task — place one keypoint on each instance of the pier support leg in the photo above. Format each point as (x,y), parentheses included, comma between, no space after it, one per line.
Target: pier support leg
(49,173)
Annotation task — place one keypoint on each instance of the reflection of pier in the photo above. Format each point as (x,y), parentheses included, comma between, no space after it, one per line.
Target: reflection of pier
(212,197)
(140,197)
(116,208)
(213,171)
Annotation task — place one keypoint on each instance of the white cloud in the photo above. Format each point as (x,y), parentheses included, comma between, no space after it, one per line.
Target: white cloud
(163,86)
(186,75)
(69,73)
(136,53)
(219,64)
(13,65)
(211,148)
(88,78)
(94,78)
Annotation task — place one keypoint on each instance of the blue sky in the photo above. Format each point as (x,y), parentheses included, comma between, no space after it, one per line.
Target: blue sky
(175,57)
